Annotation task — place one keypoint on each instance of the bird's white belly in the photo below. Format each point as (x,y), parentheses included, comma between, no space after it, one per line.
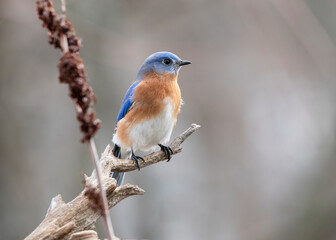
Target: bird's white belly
(149,133)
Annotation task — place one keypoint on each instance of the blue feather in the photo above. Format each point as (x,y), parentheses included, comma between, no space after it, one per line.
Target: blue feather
(154,64)
(127,101)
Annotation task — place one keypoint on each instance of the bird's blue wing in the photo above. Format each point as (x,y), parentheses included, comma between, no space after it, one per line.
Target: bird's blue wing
(127,101)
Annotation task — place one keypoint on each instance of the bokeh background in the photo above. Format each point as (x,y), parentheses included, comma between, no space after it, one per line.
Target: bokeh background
(261,85)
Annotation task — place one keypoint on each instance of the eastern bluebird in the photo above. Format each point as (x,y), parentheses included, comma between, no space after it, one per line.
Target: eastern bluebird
(149,109)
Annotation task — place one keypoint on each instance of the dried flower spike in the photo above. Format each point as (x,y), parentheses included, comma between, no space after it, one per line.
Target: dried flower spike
(71,68)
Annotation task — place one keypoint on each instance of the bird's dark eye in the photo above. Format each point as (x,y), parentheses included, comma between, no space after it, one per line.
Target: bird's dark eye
(166,61)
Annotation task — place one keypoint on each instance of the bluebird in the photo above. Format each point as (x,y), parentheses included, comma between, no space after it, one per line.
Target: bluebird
(149,109)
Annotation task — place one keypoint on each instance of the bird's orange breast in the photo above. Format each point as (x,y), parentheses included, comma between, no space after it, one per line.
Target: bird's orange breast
(152,91)
(150,100)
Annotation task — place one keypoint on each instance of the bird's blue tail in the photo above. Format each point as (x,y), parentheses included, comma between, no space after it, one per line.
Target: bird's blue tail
(119,176)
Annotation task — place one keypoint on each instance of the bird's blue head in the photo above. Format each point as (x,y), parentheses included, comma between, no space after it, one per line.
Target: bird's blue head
(161,63)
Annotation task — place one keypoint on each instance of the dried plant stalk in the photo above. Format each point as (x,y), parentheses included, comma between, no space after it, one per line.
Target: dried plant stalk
(71,71)
(71,68)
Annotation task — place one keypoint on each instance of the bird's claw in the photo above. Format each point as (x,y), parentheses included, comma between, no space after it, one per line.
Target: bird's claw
(167,150)
(136,160)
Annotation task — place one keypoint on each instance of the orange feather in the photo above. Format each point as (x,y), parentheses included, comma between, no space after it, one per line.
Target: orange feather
(149,102)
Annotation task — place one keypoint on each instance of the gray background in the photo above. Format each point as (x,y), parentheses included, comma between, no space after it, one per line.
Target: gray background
(262,85)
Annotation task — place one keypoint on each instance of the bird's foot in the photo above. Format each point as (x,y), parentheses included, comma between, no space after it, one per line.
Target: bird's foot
(167,150)
(136,159)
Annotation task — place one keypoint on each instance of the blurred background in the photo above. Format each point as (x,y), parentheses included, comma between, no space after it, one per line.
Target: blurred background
(261,85)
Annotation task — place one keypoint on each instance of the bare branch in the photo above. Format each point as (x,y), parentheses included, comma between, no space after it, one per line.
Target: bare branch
(62,220)
(126,165)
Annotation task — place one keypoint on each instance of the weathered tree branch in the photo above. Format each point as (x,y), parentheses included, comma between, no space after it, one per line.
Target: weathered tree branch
(64,219)
(126,165)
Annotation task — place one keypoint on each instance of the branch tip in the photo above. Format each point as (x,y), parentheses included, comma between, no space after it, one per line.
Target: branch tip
(56,202)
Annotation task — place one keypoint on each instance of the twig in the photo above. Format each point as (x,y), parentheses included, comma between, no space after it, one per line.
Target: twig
(63,38)
(105,210)
(63,7)
(126,165)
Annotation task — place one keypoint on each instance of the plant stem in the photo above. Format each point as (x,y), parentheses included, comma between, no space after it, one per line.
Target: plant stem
(93,150)
(105,210)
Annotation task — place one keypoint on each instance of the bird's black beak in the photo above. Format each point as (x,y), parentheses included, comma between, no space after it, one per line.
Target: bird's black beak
(184,63)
